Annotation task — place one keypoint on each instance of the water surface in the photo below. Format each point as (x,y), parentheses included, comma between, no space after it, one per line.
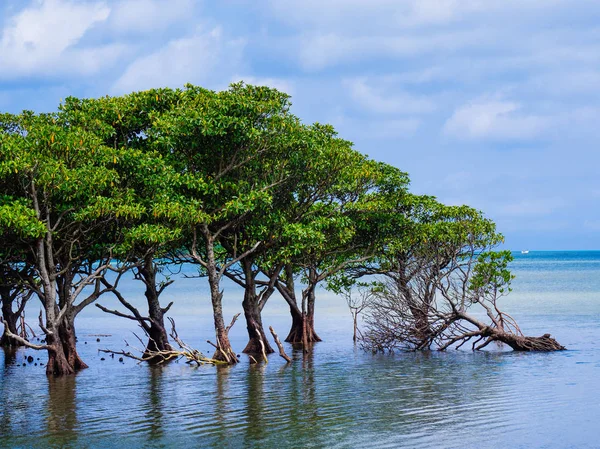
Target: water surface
(337,396)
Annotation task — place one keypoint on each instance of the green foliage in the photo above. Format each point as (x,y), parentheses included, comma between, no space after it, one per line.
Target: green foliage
(17,217)
(491,274)
(147,169)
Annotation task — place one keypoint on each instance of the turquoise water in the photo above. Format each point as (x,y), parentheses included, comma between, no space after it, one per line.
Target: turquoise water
(337,396)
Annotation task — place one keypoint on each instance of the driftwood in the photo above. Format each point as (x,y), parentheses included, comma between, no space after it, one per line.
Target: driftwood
(191,355)
(279,345)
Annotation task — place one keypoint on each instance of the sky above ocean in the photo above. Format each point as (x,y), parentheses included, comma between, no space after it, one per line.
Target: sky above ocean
(491,103)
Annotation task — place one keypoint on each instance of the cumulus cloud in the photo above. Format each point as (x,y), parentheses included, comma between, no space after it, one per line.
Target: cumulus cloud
(42,39)
(149,16)
(498,119)
(201,58)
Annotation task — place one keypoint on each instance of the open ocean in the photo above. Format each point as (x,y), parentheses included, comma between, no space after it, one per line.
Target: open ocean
(335,397)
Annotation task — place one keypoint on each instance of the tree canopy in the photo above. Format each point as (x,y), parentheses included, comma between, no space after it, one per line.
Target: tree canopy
(234,183)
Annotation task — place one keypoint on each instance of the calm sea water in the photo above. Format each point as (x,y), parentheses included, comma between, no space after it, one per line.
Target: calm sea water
(336,396)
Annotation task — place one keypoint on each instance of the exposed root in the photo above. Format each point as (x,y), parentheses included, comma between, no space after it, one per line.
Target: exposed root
(262,344)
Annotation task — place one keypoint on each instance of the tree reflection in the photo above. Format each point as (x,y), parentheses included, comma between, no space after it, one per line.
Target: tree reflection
(256,427)
(154,396)
(61,418)
(222,408)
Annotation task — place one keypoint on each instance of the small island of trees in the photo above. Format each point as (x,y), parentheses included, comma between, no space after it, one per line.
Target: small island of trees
(235,184)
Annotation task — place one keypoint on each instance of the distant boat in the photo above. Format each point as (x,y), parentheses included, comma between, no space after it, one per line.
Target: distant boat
(525,251)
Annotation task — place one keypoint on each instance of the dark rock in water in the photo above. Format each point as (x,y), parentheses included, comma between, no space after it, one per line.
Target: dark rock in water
(30,359)
(24,364)
(41,364)
(85,343)
(120,359)
(112,356)
(239,355)
(38,358)
(97,339)
(43,340)
(102,359)
(35,364)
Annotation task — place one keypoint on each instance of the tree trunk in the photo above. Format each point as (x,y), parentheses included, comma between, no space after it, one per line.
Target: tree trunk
(520,343)
(251,308)
(301,325)
(516,342)
(68,339)
(10,324)
(58,364)
(10,318)
(158,339)
(224,351)
(254,326)
(310,316)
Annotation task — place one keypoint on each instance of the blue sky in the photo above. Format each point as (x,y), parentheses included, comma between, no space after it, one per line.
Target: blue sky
(492,103)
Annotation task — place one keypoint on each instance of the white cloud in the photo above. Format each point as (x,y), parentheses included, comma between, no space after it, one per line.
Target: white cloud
(405,13)
(201,58)
(494,118)
(321,50)
(41,39)
(387,101)
(149,16)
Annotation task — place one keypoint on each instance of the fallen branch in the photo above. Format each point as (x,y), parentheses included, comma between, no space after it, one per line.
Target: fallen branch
(279,345)
(191,355)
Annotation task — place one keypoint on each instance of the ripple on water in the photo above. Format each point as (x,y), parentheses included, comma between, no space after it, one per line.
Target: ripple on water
(336,396)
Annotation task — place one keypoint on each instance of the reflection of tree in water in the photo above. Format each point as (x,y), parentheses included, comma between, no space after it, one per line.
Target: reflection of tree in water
(9,356)
(222,396)
(61,415)
(154,396)
(255,422)
(303,404)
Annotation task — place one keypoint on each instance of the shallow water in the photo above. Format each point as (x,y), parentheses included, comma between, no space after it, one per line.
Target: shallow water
(336,396)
